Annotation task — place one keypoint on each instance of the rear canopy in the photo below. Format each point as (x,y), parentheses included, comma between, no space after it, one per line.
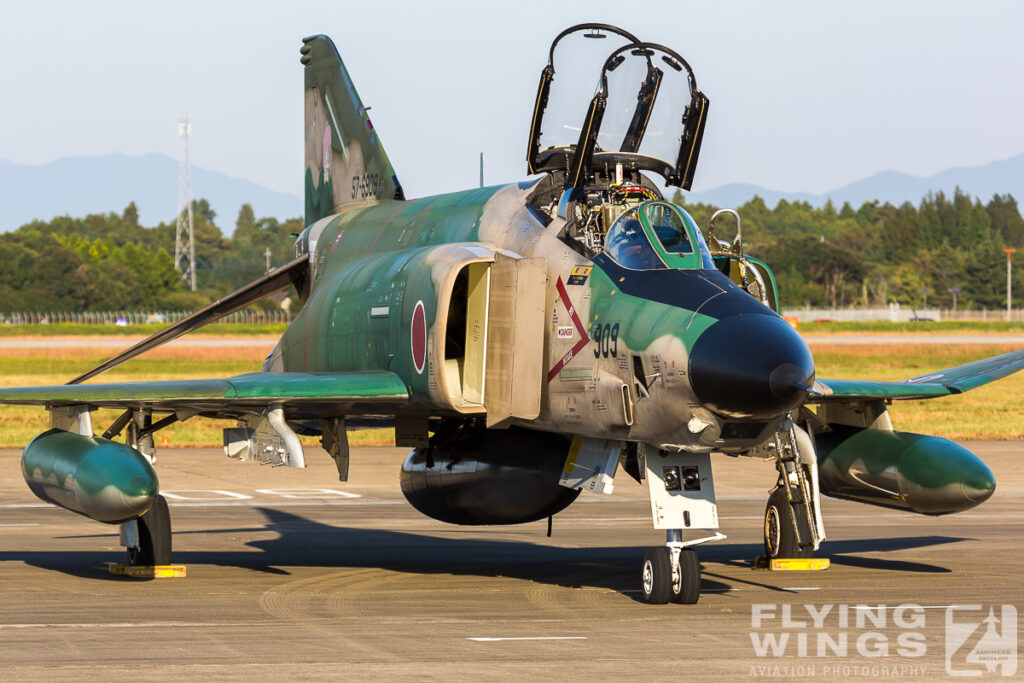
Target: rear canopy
(646,113)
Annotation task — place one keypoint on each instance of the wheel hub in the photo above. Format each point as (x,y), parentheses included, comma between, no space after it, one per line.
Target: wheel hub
(772,531)
(648,578)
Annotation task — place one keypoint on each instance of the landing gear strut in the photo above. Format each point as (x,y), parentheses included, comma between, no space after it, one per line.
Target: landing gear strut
(682,498)
(148,538)
(792,518)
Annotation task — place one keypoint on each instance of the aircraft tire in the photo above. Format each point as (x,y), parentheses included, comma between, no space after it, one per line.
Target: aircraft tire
(154,537)
(656,580)
(779,528)
(687,590)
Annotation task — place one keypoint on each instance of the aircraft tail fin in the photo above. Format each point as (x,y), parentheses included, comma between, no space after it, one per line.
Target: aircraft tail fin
(345,161)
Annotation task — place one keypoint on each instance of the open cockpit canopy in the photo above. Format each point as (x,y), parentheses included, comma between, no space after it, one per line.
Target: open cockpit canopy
(645,114)
(575,56)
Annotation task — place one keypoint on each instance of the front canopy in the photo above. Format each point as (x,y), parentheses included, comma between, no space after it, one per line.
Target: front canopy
(646,113)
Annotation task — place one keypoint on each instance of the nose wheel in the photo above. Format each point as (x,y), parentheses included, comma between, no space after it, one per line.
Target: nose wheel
(671,575)
(682,500)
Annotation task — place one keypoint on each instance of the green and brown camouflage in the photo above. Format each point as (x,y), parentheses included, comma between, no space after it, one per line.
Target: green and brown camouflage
(345,162)
(577,307)
(373,265)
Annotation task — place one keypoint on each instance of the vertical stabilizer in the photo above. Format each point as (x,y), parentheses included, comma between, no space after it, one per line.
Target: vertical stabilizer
(345,163)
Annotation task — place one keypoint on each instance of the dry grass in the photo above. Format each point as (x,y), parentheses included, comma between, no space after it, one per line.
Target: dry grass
(995,411)
(254,353)
(146,329)
(27,367)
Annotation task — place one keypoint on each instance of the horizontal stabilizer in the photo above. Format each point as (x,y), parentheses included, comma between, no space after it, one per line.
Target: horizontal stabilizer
(955,380)
(288,275)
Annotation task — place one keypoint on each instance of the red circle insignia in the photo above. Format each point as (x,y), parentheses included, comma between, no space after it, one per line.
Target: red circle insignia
(419,337)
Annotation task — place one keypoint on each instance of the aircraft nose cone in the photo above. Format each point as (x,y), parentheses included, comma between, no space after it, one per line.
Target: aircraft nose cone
(751,366)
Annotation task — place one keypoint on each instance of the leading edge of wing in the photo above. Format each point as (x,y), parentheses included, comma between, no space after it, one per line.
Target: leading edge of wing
(955,380)
(255,388)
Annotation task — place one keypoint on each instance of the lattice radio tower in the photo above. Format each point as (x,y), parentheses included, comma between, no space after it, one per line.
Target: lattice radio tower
(184,242)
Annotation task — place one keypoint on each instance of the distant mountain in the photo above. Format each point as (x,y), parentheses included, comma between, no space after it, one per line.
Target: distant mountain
(999,177)
(77,186)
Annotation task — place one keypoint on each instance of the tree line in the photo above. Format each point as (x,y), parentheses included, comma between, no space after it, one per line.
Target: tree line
(821,256)
(880,253)
(109,262)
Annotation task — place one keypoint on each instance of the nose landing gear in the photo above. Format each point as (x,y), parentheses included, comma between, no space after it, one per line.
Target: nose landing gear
(672,573)
(682,497)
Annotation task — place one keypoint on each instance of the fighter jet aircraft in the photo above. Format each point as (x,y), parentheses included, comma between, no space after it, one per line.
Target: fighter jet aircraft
(527,341)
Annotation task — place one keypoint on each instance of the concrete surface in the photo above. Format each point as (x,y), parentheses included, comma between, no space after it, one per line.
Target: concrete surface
(326,585)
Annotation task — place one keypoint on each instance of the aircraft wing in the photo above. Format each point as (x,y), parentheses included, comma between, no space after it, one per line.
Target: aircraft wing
(955,380)
(303,394)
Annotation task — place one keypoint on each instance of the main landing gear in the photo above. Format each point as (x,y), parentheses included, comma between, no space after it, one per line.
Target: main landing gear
(792,519)
(682,498)
(148,538)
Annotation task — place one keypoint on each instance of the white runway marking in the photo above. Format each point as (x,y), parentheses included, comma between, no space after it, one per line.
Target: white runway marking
(494,640)
(877,607)
(302,497)
(800,588)
(219,494)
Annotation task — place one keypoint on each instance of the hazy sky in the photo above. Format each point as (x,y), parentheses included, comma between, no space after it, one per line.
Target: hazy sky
(804,95)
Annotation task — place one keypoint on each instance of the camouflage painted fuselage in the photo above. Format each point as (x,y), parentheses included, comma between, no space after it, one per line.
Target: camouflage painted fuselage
(616,342)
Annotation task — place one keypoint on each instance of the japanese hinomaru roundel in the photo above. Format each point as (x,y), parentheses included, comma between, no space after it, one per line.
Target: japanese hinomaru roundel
(528,341)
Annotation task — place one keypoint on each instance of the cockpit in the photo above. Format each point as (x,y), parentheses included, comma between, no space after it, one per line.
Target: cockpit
(646,115)
(597,147)
(655,235)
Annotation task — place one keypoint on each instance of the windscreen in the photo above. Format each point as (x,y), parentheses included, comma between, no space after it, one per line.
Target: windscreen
(627,244)
(670,229)
(677,232)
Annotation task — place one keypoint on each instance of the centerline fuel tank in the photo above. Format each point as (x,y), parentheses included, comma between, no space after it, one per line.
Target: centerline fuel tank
(476,476)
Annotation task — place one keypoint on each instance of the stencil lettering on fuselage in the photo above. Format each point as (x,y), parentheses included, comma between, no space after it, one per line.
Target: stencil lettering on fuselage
(584,337)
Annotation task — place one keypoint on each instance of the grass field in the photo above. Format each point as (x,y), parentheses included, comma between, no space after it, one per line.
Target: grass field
(248,329)
(995,411)
(883,326)
(25,367)
(77,330)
